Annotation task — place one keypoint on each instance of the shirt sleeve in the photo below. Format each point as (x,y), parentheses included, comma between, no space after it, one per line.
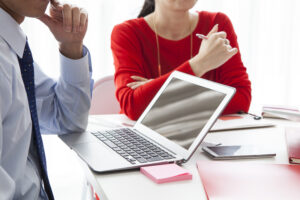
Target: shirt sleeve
(233,73)
(128,61)
(7,184)
(63,105)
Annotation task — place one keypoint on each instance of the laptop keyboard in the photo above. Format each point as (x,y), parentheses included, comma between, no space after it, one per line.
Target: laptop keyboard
(131,146)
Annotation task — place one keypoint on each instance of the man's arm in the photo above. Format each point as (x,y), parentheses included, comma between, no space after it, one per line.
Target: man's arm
(63,106)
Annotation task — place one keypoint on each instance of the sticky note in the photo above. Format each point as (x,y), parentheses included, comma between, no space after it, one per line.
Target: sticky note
(166,173)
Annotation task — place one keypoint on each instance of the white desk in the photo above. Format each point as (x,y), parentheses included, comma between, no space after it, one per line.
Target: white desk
(134,185)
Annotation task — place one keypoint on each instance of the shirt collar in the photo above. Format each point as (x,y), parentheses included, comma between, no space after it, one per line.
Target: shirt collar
(12,33)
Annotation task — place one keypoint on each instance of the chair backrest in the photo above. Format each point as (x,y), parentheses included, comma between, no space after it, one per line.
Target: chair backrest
(104,100)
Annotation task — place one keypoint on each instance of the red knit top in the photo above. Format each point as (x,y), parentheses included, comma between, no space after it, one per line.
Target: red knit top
(134,50)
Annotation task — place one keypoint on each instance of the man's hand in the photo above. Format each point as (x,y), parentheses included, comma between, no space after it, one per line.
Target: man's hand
(68,25)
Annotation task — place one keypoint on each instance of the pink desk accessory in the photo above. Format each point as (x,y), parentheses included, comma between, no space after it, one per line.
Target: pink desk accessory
(249,181)
(166,173)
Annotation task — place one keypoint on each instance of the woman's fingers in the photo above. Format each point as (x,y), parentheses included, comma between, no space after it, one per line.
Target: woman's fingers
(232,52)
(139,82)
(227,42)
(213,30)
(131,84)
(138,78)
(135,85)
(221,34)
(213,52)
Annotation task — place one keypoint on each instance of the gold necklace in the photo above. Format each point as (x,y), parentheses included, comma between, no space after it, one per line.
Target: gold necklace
(158,49)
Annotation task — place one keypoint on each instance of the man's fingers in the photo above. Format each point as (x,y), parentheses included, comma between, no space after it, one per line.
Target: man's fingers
(83,20)
(47,20)
(76,19)
(213,30)
(54,3)
(67,17)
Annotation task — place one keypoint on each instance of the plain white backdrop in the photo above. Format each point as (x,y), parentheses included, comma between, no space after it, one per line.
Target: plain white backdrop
(268,34)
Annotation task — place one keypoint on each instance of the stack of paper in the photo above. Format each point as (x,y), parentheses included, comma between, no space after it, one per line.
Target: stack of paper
(281,112)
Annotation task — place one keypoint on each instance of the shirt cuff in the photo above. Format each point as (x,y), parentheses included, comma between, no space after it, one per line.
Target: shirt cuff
(75,71)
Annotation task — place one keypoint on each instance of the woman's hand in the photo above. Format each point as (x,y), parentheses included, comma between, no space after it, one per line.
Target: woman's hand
(68,25)
(213,53)
(138,81)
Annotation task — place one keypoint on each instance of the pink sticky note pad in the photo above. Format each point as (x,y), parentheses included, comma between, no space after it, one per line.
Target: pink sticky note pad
(166,173)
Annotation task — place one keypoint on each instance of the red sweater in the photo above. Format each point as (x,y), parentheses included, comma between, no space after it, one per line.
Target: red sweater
(135,53)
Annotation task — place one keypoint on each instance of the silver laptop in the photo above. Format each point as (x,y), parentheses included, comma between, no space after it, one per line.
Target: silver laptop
(170,129)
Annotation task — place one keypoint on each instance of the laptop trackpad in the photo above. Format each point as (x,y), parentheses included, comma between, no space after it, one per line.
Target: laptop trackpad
(99,157)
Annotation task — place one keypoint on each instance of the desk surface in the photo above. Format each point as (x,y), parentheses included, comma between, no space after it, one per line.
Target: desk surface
(134,185)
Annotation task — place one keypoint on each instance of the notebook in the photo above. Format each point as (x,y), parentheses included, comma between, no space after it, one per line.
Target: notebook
(293,144)
(170,129)
(237,122)
(248,180)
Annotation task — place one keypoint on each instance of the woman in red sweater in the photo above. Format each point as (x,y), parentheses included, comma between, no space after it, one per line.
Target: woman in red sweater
(163,39)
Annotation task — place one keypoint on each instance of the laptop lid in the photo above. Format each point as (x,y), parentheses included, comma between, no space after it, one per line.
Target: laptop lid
(183,111)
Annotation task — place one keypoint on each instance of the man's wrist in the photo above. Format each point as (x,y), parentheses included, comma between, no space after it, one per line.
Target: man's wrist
(71,50)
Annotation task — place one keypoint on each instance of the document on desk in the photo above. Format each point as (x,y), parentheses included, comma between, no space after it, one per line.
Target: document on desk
(237,121)
(248,181)
(281,113)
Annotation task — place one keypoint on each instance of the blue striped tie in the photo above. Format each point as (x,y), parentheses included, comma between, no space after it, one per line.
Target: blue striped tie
(27,71)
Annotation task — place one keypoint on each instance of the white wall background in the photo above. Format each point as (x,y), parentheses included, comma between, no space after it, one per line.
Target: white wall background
(269,37)
(268,33)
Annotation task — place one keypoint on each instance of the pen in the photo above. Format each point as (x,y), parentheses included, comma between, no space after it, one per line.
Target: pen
(201,36)
(254,116)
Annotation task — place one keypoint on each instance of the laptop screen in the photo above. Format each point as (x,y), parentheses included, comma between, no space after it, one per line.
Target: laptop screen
(182,110)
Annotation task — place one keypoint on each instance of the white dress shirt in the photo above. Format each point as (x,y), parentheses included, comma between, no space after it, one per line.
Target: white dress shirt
(62,106)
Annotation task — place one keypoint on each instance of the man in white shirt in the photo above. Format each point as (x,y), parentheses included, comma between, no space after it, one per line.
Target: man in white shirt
(31,102)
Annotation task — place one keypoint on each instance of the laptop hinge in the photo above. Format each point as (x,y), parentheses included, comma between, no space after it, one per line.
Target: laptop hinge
(181,161)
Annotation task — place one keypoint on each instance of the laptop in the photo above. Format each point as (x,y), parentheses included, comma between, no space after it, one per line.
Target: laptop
(170,129)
